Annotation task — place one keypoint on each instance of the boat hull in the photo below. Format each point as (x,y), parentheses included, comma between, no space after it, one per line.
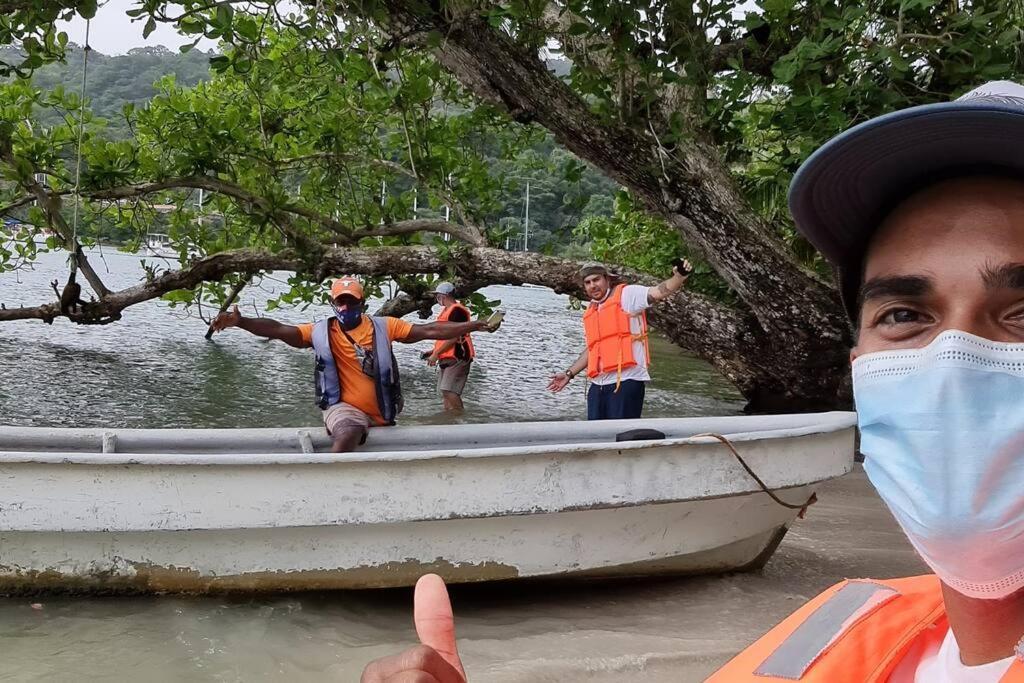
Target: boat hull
(716,535)
(221,522)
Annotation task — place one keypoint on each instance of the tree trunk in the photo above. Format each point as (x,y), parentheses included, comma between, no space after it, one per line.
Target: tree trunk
(796,333)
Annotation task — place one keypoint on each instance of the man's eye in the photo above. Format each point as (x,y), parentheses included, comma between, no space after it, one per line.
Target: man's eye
(900,316)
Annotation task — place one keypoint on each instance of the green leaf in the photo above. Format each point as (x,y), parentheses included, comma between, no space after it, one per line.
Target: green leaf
(87,9)
(224,16)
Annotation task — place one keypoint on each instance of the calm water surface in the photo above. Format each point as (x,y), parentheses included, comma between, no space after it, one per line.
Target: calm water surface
(154,369)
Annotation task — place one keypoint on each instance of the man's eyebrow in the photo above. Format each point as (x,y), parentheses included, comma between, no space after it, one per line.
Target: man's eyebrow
(895,285)
(1007,276)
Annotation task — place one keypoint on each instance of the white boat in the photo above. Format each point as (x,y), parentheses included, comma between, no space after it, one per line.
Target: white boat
(159,244)
(201,510)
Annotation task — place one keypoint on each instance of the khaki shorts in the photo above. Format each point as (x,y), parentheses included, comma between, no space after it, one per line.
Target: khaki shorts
(453,377)
(342,415)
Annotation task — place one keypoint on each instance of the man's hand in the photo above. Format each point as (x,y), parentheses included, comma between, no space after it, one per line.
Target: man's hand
(559,381)
(432,360)
(436,658)
(682,267)
(226,319)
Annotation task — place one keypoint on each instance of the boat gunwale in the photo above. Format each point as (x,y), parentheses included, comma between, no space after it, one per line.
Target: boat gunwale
(57,457)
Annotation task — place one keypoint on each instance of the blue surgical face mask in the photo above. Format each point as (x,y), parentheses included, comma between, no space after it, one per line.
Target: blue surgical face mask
(942,432)
(350,317)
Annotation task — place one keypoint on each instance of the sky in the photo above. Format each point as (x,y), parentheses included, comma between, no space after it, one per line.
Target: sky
(114,33)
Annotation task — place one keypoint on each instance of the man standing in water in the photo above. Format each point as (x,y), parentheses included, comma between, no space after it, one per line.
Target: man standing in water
(922,214)
(452,356)
(357,382)
(616,356)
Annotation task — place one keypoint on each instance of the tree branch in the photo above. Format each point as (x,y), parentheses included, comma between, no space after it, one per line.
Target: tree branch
(51,204)
(750,56)
(467,234)
(473,267)
(17,204)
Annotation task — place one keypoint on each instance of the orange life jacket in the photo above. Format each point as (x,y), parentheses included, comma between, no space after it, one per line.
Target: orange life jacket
(609,336)
(464,340)
(857,630)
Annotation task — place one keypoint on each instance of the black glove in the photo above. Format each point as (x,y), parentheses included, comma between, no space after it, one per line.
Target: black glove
(680,265)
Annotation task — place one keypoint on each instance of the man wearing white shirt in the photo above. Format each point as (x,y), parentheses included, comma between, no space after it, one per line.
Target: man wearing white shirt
(616,356)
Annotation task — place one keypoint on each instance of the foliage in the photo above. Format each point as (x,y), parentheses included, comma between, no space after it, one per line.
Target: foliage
(120,87)
(701,110)
(324,132)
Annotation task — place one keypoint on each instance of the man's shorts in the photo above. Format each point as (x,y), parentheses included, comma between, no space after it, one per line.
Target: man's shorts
(342,415)
(453,377)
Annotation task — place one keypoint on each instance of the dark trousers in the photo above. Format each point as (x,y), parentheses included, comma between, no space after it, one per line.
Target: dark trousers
(604,403)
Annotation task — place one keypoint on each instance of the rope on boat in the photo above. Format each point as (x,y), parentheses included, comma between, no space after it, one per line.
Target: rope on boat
(764,487)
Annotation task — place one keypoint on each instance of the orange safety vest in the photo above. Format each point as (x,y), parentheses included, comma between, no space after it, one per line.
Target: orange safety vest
(609,336)
(463,340)
(856,631)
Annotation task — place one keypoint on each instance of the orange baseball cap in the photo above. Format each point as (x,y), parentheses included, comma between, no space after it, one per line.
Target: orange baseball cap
(346,285)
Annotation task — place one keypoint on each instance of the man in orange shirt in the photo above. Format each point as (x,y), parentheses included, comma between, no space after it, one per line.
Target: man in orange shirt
(357,382)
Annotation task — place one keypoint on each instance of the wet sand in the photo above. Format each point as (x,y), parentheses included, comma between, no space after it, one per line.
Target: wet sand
(637,630)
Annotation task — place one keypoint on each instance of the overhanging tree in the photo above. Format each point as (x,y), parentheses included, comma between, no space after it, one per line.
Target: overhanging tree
(700,113)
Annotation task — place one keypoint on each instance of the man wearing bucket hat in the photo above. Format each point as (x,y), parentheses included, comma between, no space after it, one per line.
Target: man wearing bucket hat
(356,380)
(616,356)
(922,214)
(452,356)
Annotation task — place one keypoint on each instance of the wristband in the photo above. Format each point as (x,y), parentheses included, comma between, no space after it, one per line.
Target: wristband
(569,374)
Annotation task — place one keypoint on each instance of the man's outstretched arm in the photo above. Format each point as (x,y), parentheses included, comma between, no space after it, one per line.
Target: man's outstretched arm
(443,331)
(680,271)
(261,327)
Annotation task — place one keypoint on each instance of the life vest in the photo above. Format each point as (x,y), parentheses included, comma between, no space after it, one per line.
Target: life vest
(857,630)
(378,362)
(610,338)
(466,352)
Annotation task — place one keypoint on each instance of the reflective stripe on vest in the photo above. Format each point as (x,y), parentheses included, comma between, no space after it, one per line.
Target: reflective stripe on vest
(464,340)
(386,379)
(795,655)
(866,628)
(610,336)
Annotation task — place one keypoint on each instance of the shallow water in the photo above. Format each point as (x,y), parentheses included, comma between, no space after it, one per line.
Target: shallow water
(155,369)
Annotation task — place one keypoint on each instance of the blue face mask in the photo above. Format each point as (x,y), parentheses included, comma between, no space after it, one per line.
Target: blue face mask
(350,317)
(942,432)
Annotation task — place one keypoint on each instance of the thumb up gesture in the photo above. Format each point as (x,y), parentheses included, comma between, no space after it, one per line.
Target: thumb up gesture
(436,658)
